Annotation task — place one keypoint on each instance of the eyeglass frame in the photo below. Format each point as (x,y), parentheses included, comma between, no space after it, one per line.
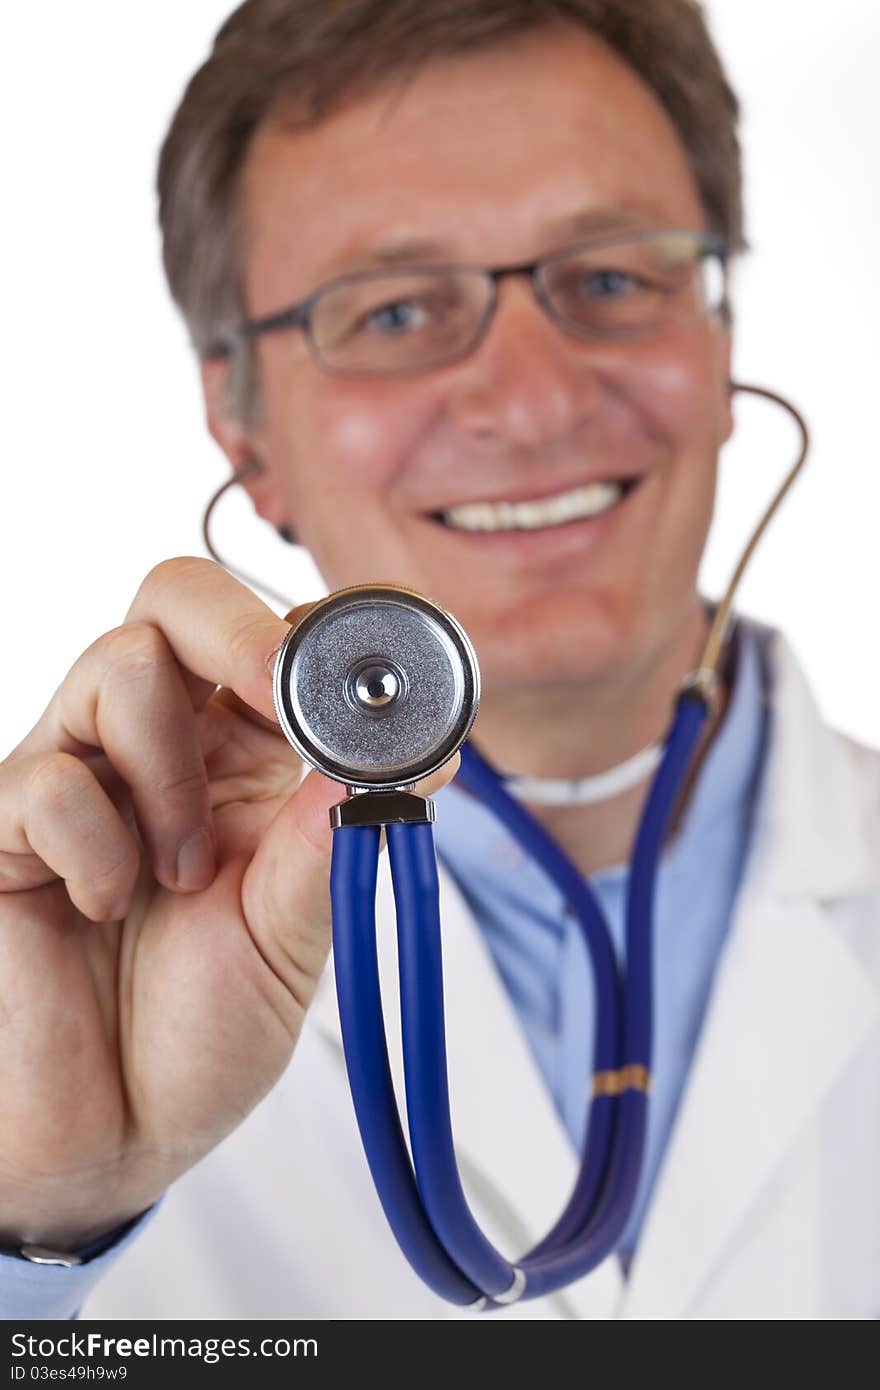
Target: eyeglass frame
(299,315)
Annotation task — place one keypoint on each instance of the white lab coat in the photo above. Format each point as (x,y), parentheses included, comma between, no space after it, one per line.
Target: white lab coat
(768,1201)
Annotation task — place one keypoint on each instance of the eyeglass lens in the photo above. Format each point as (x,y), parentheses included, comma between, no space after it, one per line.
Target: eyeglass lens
(407,319)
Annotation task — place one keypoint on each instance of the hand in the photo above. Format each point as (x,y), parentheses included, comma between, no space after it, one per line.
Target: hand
(164,907)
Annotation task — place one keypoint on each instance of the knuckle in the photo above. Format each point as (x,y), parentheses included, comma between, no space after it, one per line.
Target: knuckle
(253,643)
(191,783)
(93,906)
(108,885)
(56,780)
(135,651)
(172,575)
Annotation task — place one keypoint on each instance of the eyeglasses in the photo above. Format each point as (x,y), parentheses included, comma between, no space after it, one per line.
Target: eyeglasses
(390,322)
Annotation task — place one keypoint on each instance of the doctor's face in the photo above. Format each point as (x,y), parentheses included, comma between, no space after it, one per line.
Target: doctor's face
(495,158)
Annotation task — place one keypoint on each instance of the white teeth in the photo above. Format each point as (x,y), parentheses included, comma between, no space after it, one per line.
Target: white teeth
(527,516)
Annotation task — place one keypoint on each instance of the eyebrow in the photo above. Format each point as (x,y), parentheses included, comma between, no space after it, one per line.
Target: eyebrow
(585,223)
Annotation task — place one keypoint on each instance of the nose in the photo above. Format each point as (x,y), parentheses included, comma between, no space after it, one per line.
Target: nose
(528,383)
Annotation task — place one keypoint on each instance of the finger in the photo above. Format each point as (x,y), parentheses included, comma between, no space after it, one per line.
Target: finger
(228,698)
(444,775)
(217,628)
(219,631)
(127,696)
(56,821)
(286,889)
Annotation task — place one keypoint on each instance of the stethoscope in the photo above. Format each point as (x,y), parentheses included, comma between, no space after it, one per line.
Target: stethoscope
(376,686)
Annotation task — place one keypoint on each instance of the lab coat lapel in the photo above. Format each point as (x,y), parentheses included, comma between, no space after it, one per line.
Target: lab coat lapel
(788,1015)
(790,1007)
(516,1162)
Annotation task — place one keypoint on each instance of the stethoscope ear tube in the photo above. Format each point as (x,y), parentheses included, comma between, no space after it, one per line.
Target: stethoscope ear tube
(428,1211)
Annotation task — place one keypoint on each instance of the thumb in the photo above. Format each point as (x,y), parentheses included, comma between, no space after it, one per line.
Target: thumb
(286,887)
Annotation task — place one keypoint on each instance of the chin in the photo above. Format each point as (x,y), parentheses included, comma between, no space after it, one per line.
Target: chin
(576,648)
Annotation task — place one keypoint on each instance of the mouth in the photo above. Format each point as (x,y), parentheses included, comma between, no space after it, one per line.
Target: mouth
(577,504)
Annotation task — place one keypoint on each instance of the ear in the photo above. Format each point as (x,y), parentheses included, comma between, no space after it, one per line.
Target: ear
(240,443)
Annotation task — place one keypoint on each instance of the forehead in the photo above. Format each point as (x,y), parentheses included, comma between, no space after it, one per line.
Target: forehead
(500,154)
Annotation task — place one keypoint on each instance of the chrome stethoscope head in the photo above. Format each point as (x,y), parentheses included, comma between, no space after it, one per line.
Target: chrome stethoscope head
(376,686)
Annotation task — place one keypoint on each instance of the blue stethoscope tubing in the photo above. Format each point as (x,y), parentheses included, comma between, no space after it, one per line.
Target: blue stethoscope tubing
(423,1199)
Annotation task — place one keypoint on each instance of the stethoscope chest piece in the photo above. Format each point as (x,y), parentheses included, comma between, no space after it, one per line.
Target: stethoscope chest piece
(376,686)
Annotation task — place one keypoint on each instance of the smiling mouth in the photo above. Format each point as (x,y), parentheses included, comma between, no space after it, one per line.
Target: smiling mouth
(577,504)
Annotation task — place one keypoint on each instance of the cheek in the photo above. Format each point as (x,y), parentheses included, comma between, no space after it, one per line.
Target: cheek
(342,443)
(683,398)
(351,429)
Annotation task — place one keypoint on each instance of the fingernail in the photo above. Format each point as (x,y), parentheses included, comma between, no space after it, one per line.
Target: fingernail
(271,660)
(195,861)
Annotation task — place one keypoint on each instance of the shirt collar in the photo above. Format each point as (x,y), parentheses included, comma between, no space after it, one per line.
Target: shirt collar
(470,836)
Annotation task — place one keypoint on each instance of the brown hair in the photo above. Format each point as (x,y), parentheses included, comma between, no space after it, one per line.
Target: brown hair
(316,54)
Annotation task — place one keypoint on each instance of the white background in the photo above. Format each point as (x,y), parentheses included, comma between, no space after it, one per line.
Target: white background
(106,464)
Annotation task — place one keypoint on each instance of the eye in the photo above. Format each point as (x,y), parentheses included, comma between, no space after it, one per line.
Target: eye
(400,316)
(608,284)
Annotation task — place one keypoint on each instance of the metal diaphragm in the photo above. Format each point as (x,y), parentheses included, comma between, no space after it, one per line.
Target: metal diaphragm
(376,686)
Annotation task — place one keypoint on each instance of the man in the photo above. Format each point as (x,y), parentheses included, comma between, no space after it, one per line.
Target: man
(536,450)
